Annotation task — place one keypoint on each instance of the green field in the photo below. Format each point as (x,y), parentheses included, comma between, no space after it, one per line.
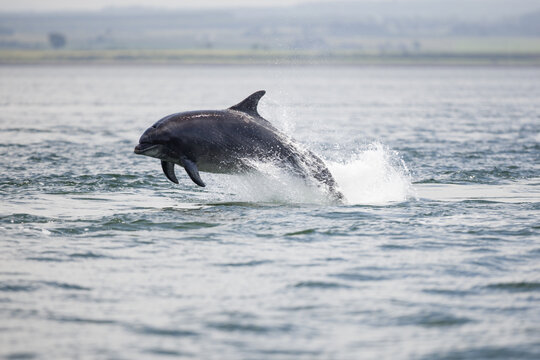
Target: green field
(433,52)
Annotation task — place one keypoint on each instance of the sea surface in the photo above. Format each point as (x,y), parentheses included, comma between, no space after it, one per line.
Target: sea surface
(435,253)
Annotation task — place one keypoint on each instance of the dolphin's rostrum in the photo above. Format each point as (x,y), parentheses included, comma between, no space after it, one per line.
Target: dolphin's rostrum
(227,141)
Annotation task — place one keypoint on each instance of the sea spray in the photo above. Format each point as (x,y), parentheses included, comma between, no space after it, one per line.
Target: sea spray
(375,175)
(273,184)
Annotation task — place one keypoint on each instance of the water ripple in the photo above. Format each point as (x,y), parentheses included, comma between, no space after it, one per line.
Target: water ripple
(521,286)
(162,331)
(320,285)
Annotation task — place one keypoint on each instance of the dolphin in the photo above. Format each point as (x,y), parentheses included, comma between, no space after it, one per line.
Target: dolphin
(227,141)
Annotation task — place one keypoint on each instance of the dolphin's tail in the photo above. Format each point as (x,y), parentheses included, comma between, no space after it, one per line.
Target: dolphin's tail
(324,176)
(310,166)
(336,194)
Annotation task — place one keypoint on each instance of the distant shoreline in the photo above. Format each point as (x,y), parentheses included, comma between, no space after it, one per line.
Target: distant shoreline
(259,57)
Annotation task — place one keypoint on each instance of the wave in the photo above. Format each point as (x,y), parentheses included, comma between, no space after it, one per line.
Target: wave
(372,176)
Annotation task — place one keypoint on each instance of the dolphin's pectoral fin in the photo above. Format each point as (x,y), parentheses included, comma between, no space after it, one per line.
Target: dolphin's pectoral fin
(168,169)
(249,104)
(192,171)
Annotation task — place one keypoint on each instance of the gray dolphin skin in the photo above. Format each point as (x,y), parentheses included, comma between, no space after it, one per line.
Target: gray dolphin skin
(226,141)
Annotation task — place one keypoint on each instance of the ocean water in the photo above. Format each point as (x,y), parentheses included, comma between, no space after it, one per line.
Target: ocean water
(435,254)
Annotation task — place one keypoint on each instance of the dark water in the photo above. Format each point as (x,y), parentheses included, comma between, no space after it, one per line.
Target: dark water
(436,254)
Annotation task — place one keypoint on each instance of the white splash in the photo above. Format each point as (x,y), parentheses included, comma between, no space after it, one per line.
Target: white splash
(272,184)
(376,175)
(373,176)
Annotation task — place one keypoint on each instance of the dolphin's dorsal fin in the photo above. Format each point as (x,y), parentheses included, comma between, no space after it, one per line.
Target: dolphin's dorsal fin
(249,104)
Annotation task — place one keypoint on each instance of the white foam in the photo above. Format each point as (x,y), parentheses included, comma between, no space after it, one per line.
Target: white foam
(376,175)
(271,184)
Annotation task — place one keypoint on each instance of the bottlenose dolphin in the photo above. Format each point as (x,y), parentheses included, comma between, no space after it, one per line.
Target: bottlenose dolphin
(227,141)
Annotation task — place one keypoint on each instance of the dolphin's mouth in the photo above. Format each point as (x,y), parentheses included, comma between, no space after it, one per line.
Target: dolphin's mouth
(143,148)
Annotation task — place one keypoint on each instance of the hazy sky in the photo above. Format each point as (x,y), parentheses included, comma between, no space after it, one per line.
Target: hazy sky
(54,5)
